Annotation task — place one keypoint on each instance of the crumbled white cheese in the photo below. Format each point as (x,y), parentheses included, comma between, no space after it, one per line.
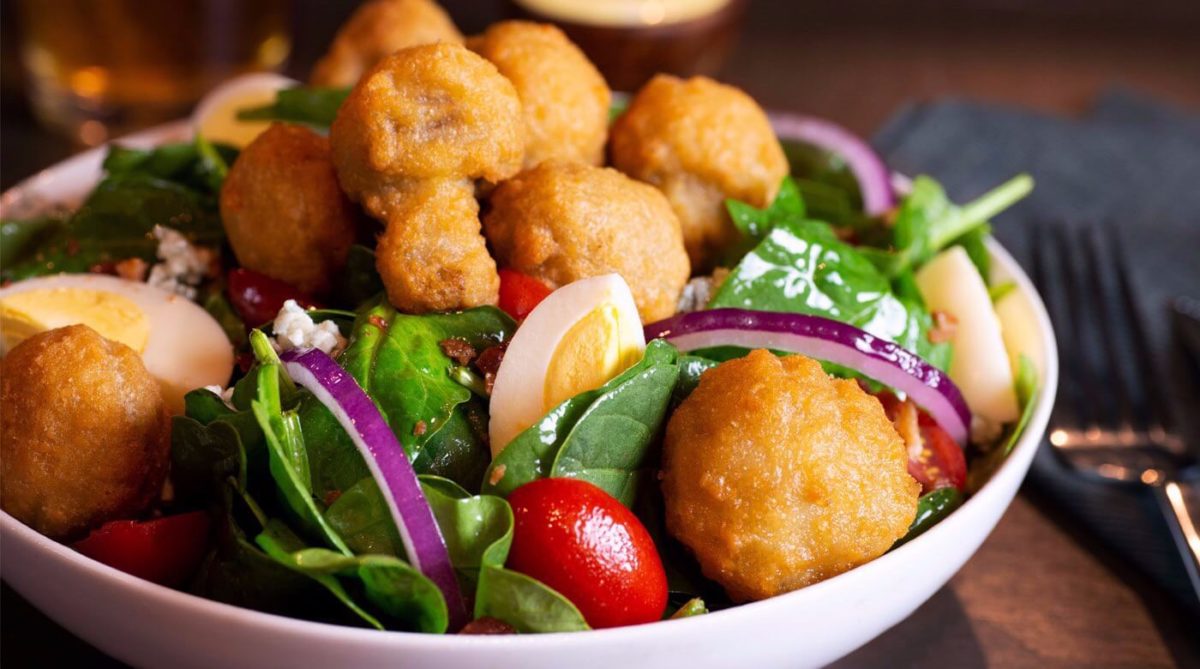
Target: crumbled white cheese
(696,294)
(294,328)
(226,394)
(184,266)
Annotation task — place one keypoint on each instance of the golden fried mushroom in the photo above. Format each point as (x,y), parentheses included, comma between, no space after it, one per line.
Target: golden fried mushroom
(377,29)
(428,112)
(778,476)
(431,256)
(562,222)
(563,96)
(700,142)
(84,434)
(284,212)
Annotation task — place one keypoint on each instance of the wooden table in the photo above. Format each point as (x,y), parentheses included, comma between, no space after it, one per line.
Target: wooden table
(1037,593)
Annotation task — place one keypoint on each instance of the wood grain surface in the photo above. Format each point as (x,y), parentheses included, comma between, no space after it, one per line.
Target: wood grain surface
(1038,593)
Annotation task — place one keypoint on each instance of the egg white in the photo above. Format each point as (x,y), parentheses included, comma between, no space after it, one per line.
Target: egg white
(186,348)
(518,399)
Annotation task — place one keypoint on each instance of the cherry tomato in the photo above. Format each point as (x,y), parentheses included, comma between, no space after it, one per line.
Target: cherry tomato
(164,550)
(581,541)
(940,463)
(258,298)
(520,293)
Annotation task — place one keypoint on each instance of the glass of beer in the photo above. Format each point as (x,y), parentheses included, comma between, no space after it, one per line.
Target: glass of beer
(98,68)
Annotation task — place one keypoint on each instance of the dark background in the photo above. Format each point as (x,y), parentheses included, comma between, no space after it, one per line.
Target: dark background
(1041,591)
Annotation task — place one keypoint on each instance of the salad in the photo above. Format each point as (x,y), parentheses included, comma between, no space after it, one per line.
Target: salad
(448,341)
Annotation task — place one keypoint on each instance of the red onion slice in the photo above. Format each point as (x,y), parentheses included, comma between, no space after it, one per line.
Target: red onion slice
(829,340)
(340,393)
(873,176)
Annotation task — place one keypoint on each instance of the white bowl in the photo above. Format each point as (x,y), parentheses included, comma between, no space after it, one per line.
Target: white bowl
(149,625)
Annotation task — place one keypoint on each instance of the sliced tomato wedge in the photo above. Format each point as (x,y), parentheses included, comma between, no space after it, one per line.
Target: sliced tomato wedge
(520,293)
(934,459)
(165,550)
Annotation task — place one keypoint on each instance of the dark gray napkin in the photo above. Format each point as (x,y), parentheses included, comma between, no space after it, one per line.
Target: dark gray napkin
(1131,161)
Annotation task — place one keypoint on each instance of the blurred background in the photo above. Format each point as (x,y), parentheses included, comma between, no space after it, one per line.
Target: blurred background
(77,72)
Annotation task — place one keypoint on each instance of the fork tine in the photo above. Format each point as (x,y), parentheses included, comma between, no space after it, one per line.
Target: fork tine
(1112,330)
(1083,347)
(1153,405)
(1047,275)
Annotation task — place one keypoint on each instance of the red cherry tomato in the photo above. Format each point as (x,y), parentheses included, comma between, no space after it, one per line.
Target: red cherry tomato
(581,541)
(164,550)
(520,293)
(258,298)
(940,462)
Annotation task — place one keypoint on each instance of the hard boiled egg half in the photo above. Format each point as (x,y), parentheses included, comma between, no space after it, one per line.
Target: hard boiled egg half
(182,346)
(575,340)
(216,118)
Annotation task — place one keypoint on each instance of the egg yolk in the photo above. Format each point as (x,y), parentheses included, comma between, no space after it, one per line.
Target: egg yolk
(587,356)
(223,125)
(115,317)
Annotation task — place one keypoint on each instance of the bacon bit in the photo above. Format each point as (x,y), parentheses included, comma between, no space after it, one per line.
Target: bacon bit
(133,269)
(488,363)
(458,350)
(378,322)
(332,496)
(245,361)
(420,428)
(890,216)
(487,625)
(497,474)
(72,246)
(103,268)
(945,325)
(6,283)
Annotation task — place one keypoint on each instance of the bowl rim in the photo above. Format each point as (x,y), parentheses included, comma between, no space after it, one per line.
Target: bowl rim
(1015,466)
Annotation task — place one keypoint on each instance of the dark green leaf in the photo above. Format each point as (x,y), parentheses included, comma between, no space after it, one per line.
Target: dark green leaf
(18,237)
(459,450)
(603,436)
(814,164)
(932,507)
(692,607)
(478,530)
(358,281)
(361,516)
(691,367)
(218,306)
(526,604)
(302,104)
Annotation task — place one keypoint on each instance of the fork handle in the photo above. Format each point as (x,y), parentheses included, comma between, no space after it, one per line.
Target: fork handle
(1185,528)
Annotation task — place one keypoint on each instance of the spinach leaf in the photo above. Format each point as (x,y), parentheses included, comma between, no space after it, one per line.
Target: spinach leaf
(602,436)
(213,446)
(283,546)
(524,603)
(359,280)
(802,267)
(116,222)
(288,458)
(389,584)
(217,305)
(17,237)
(315,106)
(927,222)
(812,164)
(361,516)
(692,607)
(459,451)
(754,223)
(200,165)
(397,359)
(1026,385)
(478,529)
(691,367)
(932,507)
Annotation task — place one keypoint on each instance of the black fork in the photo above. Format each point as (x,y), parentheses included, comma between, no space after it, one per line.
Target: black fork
(1111,420)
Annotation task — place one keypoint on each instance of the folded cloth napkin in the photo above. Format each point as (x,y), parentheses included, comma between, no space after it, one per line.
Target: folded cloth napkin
(1131,161)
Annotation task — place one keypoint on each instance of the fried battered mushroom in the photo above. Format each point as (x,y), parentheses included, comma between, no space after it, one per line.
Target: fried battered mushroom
(84,433)
(700,142)
(431,256)
(438,114)
(564,98)
(429,112)
(284,212)
(377,29)
(778,476)
(561,222)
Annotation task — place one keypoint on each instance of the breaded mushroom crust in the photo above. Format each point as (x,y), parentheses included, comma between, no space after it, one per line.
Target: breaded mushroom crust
(562,221)
(84,434)
(284,212)
(431,255)
(428,112)
(377,29)
(564,97)
(777,476)
(700,142)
